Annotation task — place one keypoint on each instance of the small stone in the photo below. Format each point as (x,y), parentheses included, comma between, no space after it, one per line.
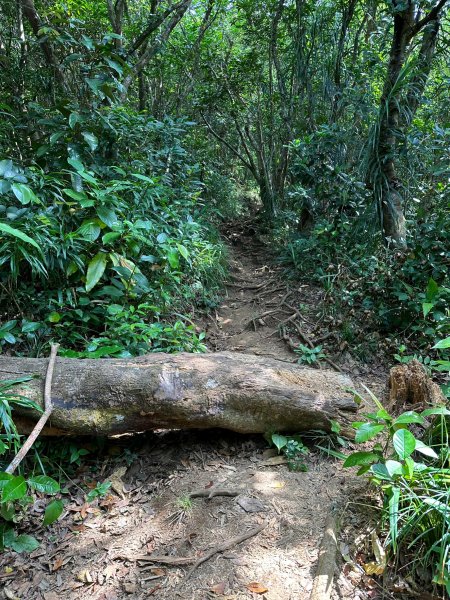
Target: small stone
(250,505)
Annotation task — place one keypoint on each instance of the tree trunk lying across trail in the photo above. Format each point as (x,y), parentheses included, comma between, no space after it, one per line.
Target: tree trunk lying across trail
(244,393)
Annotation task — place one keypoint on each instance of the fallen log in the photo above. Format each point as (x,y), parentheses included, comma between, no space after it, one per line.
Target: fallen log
(244,393)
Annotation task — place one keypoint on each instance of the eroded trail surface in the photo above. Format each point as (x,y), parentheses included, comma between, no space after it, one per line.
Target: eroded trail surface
(159,501)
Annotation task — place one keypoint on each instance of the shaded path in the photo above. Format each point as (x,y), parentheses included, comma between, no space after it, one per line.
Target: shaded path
(92,552)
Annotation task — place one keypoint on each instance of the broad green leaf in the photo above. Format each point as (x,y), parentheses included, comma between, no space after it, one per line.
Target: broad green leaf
(14,489)
(23,193)
(89,231)
(30,326)
(18,234)
(361,458)
(432,290)
(404,443)
(183,251)
(55,137)
(393,516)
(53,512)
(90,139)
(110,237)
(95,270)
(7,169)
(108,216)
(74,118)
(44,484)
(80,197)
(367,431)
(438,410)
(408,417)
(76,164)
(380,471)
(408,467)
(393,467)
(173,258)
(426,307)
(442,344)
(4,479)
(7,511)
(279,441)
(424,449)
(24,543)
(54,317)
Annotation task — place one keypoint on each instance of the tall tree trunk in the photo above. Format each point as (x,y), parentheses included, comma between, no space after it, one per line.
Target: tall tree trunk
(388,187)
(29,11)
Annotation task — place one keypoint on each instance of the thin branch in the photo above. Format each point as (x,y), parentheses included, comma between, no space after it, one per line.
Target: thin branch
(48,406)
(431,16)
(228,145)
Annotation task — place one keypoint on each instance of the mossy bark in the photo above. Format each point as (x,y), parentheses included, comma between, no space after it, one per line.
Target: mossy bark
(240,392)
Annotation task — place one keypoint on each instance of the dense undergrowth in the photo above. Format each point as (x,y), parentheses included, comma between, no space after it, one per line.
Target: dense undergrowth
(111,246)
(377,297)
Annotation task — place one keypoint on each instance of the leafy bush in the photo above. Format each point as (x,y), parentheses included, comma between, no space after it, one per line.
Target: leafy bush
(92,234)
(413,480)
(403,292)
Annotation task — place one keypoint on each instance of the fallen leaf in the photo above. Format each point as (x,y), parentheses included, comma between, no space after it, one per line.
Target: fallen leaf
(256,588)
(157,571)
(278,485)
(129,588)
(377,566)
(84,576)
(110,571)
(219,588)
(8,570)
(57,564)
(116,481)
(9,594)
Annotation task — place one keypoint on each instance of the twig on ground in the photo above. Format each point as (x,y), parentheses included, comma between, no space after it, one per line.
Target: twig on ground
(226,546)
(211,493)
(48,407)
(251,287)
(181,561)
(297,312)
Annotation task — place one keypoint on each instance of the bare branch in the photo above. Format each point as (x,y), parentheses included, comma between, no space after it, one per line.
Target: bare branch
(431,16)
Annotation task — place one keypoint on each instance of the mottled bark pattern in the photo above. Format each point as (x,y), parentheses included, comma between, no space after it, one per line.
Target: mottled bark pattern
(233,391)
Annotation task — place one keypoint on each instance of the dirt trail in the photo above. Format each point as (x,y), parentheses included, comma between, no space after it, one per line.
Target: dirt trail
(94,551)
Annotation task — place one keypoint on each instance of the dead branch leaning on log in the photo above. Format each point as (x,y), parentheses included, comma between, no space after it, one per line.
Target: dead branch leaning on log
(44,418)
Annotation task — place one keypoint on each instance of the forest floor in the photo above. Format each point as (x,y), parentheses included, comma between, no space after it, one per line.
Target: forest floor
(101,550)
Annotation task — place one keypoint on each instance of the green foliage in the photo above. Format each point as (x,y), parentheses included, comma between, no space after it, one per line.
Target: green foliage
(128,239)
(308,355)
(413,480)
(293,449)
(381,291)
(100,490)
